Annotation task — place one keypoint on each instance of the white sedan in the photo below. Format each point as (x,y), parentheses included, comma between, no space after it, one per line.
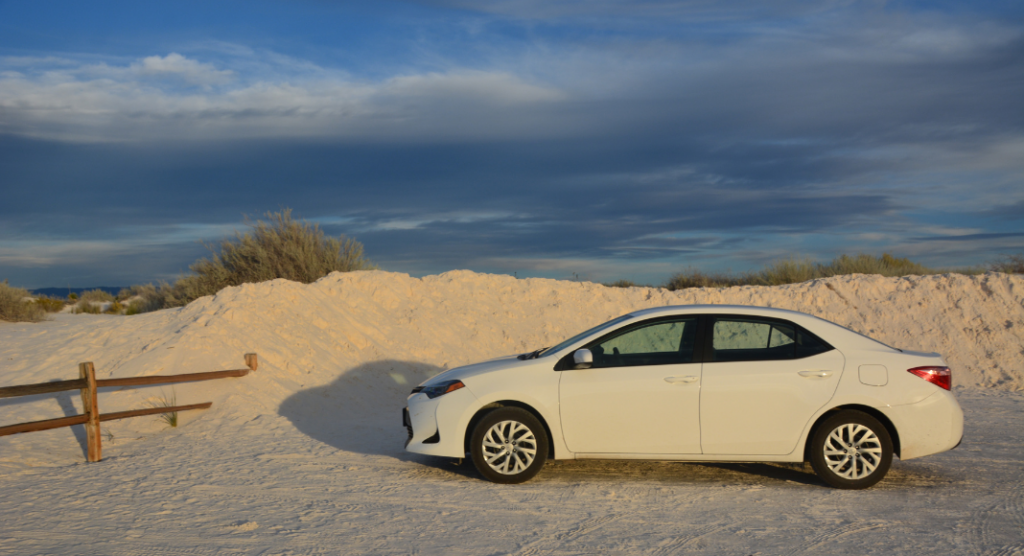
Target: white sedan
(694,383)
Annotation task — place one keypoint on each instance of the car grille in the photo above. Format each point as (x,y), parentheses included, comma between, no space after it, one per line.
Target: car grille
(407,422)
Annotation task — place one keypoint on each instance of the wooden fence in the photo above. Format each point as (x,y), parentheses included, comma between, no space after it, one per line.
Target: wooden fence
(88,383)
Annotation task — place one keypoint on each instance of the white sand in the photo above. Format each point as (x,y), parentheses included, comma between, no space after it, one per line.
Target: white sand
(306,455)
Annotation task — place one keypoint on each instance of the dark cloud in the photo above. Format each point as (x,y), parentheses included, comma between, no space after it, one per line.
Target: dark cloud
(814,135)
(968,237)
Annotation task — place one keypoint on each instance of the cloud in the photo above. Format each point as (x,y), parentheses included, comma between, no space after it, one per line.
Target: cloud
(190,71)
(103,102)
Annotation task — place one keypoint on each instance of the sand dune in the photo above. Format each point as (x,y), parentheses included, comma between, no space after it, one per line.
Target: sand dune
(313,334)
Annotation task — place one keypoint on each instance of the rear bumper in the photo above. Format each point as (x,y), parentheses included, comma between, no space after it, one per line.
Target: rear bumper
(932,425)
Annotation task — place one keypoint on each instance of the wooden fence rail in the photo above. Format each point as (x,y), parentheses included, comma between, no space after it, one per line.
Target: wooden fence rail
(88,384)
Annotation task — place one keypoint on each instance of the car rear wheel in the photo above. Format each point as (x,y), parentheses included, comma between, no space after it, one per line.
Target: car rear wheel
(851,450)
(509,445)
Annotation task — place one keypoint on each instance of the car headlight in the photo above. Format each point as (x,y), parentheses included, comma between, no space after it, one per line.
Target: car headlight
(439,389)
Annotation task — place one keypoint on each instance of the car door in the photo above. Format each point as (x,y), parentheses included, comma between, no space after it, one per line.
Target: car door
(762,381)
(640,396)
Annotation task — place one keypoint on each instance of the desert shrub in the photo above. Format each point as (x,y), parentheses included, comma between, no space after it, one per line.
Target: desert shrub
(144,298)
(50,305)
(623,284)
(73,296)
(279,248)
(115,308)
(15,308)
(96,295)
(787,271)
(1010,264)
(792,271)
(886,265)
(693,278)
(86,306)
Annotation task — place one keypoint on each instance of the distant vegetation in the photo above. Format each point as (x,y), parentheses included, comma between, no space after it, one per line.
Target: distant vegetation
(1011,264)
(50,304)
(279,248)
(298,251)
(792,271)
(15,308)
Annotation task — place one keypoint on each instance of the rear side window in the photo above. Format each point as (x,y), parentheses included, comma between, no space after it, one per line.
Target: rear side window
(761,340)
(659,343)
(808,344)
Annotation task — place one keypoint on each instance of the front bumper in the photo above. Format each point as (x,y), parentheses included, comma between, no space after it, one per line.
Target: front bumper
(436,427)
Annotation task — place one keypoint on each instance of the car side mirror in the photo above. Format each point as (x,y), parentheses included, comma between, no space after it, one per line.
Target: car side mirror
(583,359)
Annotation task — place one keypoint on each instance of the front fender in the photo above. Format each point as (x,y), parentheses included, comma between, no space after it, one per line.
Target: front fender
(546,411)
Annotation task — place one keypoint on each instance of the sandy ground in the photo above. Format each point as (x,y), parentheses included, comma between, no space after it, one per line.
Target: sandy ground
(305,456)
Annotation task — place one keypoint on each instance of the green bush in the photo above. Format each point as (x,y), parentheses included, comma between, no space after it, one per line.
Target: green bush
(279,248)
(73,296)
(15,308)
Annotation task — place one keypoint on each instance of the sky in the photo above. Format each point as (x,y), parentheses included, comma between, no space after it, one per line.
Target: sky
(596,140)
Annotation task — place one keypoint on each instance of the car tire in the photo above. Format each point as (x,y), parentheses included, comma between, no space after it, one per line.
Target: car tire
(851,450)
(509,445)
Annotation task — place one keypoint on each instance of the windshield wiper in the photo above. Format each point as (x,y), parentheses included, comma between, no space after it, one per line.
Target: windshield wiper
(532,355)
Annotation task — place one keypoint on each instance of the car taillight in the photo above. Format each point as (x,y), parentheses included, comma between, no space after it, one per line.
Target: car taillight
(939,376)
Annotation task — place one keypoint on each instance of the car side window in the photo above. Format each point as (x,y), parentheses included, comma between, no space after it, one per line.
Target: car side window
(658,343)
(808,344)
(749,340)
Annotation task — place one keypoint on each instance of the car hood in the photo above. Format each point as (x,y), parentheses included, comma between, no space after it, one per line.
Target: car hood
(466,371)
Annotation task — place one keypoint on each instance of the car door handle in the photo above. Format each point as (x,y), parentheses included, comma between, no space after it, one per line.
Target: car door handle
(681,379)
(815,374)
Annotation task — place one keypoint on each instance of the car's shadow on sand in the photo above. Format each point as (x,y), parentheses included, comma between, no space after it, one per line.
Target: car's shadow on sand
(361,410)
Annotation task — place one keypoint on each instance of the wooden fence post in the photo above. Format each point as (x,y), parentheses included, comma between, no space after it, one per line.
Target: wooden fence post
(251,361)
(92,411)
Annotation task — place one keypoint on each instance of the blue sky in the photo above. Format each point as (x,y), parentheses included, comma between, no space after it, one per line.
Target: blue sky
(600,139)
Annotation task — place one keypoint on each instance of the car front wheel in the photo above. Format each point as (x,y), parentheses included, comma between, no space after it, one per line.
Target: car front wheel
(851,450)
(509,445)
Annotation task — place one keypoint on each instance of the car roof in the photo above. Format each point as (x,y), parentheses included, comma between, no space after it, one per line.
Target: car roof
(721,309)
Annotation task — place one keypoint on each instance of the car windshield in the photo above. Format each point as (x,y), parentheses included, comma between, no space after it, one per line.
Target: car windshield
(582,335)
